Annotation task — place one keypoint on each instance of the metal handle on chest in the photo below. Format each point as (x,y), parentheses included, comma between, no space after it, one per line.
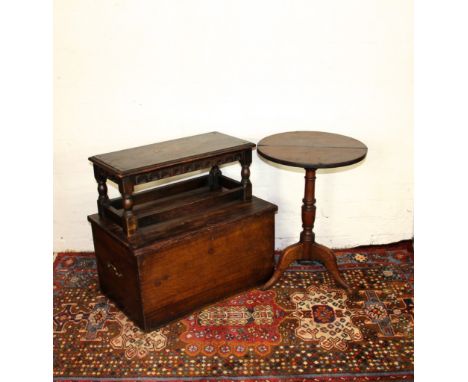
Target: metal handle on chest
(114,269)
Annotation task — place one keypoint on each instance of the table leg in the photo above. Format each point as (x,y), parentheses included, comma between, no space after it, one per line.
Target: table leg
(308,212)
(328,258)
(290,254)
(307,248)
(130,222)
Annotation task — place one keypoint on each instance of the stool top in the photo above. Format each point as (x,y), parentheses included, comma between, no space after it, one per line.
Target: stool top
(162,155)
(312,149)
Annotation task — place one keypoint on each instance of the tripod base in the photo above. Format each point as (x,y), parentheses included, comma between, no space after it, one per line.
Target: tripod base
(308,251)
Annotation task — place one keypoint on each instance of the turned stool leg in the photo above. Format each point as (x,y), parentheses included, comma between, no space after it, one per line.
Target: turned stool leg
(103,198)
(130,223)
(245,161)
(214,178)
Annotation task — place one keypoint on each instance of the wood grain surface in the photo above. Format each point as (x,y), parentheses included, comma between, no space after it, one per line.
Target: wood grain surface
(312,149)
(160,155)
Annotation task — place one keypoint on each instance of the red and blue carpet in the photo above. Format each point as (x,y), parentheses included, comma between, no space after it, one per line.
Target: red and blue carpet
(304,328)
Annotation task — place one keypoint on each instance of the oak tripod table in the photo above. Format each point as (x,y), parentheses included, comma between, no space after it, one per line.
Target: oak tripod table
(310,150)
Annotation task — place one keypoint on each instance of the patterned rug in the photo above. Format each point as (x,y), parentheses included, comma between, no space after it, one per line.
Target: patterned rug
(304,328)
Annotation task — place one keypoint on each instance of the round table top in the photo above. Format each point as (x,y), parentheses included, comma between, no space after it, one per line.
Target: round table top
(312,149)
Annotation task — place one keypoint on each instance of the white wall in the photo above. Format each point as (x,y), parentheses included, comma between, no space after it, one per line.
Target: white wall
(131,72)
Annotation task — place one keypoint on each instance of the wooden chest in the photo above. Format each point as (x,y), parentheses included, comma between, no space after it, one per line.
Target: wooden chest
(165,252)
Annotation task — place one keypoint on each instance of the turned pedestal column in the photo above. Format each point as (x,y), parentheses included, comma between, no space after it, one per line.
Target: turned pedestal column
(310,150)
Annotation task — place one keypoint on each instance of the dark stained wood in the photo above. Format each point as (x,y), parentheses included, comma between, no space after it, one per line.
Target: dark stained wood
(188,262)
(162,234)
(129,220)
(163,191)
(246,160)
(308,208)
(187,206)
(222,261)
(158,156)
(139,165)
(165,252)
(113,213)
(312,149)
(101,179)
(214,178)
(117,271)
(175,200)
